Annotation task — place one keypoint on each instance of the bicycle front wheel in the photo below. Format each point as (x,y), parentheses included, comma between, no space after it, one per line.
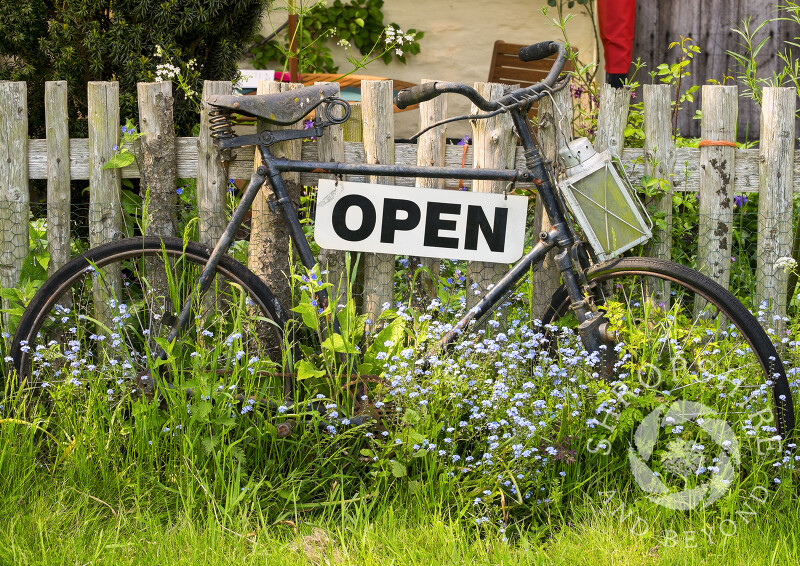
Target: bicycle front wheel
(674,336)
(103,318)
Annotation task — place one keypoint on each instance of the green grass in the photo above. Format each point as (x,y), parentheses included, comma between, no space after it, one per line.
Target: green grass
(60,524)
(93,476)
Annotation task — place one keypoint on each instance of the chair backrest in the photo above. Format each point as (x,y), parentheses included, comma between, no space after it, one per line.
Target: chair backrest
(507,68)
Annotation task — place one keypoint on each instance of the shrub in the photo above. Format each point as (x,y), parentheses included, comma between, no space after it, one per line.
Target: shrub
(86,40)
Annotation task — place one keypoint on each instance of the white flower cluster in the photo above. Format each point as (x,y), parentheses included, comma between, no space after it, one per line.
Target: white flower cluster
(395,37)
(788,264)
(166,72)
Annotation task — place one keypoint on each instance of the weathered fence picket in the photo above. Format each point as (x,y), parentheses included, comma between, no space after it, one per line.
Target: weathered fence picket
(58,189)
(331,149)
(717,160)
(377,109)
(775,200)
(716,170)
(14,193)
(105,196)
(493,144)
(612,117)
(659,155)
(212,177)
(268,253)
(157,155)
(430,153)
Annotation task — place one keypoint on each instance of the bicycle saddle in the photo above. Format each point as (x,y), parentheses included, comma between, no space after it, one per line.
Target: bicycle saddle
(280,108)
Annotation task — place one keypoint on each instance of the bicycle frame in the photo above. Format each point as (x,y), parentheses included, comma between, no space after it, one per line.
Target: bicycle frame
(559,237)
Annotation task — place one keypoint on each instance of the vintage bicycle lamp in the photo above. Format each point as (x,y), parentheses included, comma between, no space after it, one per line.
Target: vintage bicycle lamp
(602,200)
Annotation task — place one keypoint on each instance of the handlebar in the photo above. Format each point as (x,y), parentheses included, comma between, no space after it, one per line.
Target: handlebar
(429,91)
(538,51)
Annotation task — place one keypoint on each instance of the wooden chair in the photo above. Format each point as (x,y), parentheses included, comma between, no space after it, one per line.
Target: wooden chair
(508,69)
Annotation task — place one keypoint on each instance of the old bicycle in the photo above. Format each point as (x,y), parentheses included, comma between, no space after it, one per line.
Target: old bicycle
(134,303)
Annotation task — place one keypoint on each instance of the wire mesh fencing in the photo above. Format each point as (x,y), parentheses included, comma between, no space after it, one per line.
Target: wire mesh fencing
(759,267)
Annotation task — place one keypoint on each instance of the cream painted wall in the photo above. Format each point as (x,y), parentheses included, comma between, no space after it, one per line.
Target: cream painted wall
(457,46)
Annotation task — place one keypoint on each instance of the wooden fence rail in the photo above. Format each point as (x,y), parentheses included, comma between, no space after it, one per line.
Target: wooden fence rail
(716,170)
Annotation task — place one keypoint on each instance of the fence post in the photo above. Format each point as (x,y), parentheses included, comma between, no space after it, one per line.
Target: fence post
(14,194)
(212,182)
(430,153)
(331,148)
(268,253)
(659,151)
(555,130)
(715,224)
(612,118)
(776,160)
(58,191)
(105,209)
(377,113)
(158,163)
(493,147)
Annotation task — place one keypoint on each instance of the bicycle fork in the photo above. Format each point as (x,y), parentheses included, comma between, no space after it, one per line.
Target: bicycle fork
(593,327)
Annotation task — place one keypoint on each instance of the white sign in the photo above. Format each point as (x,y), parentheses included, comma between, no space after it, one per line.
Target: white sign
(422,222)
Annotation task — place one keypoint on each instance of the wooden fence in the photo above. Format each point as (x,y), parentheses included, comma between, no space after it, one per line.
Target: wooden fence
(716,170)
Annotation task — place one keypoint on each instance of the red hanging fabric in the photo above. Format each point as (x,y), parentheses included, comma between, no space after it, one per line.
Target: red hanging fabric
(616,19)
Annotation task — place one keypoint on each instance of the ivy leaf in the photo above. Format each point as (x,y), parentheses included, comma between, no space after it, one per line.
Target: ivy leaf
(359,22)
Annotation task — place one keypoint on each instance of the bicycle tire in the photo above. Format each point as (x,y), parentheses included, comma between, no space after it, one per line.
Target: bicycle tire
(631,279)
(60,328)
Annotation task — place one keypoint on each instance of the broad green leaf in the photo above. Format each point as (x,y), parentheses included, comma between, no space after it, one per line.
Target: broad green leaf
(306,369)
(411,416)
(336,343)
(308,312)
(398,469)
(120,160)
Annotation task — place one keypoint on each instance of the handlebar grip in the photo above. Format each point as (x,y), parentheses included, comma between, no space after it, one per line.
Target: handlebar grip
(538,51)
(415,95)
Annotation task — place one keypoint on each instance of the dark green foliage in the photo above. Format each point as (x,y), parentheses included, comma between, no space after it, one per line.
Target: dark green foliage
(86,40)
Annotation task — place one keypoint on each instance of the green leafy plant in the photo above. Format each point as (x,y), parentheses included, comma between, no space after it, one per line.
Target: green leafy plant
(359,27)
(584,72)
(674,73)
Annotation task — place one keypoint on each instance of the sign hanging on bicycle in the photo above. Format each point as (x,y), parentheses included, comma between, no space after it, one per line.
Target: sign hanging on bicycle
(423,222)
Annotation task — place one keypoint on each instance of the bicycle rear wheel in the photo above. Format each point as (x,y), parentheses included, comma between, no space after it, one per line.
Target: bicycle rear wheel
(679,336)
(102,319)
